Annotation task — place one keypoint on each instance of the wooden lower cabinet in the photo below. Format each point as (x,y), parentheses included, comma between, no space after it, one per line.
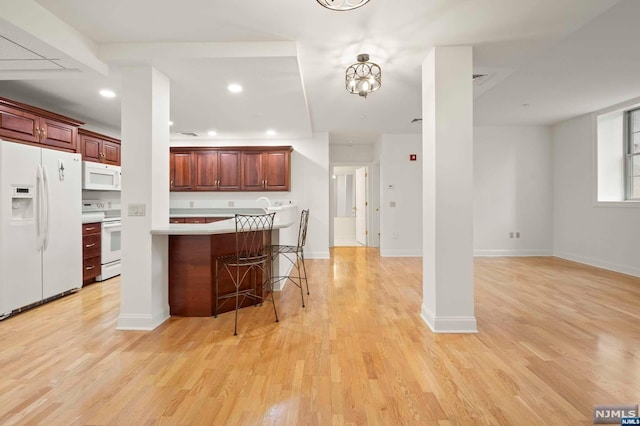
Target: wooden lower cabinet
(91,251)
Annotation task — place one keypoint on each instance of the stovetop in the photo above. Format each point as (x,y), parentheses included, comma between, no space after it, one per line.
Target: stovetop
(109,210)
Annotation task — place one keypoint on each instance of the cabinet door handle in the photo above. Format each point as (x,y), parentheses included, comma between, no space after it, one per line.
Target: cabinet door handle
(171,183)
(88,268)
(43,134)
(90,229)
(90,245)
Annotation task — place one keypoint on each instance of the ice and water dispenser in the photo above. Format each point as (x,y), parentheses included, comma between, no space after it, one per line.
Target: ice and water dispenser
(22,203)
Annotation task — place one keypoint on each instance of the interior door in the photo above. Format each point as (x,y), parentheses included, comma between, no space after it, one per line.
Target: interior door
(361,205)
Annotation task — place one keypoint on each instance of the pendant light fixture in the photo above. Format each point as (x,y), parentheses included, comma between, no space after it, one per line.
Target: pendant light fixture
(363,77)
(342,4)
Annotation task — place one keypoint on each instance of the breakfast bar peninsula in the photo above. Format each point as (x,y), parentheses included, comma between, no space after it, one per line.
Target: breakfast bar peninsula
(193,249)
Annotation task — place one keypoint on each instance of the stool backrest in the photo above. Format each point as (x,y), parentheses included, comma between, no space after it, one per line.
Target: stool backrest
(253,236)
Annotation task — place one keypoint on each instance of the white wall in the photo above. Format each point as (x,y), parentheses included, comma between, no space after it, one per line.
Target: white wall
(351,153)
(400,226)
(512,191)
(595,234)
(309,185)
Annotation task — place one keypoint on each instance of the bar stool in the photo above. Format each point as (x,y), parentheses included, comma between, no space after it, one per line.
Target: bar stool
(298,251)
(252,257)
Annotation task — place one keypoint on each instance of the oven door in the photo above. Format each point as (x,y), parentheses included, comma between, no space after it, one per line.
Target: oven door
(111,240)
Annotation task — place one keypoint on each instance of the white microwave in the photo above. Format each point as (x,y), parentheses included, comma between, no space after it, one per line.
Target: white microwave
(102,177)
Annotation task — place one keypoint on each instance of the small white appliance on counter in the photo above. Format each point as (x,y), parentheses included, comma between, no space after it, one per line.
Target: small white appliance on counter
(40,225)
(109,212)
(101,177)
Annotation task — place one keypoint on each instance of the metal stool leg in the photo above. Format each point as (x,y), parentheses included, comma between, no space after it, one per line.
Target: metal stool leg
(304,268)
(299,284)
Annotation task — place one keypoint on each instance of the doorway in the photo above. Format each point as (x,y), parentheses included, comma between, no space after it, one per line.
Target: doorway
(354,212)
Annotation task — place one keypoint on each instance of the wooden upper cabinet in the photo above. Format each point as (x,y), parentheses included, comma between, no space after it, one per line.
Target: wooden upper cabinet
(17,124)
(230,169)
(266,170)
(252,172)
(57,134)
(91,148)
(276,169)
(24,123)
(99,148)
(181,171)
(206,163)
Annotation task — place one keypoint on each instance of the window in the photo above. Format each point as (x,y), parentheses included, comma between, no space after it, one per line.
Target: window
(632,151)
(617,155)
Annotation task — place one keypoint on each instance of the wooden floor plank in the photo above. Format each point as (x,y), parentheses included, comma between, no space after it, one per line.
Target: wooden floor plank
(556,337)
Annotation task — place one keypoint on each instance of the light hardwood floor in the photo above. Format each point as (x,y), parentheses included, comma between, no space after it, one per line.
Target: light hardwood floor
(555,338)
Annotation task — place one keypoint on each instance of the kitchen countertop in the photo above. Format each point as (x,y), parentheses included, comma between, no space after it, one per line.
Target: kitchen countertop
(221,227)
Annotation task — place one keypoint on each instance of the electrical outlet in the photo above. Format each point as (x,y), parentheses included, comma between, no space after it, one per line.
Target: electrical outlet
(190,203)
(232,203)
(517,234)
(510,234)
(392,203)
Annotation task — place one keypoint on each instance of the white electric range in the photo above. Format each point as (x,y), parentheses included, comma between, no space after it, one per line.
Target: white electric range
(108,213)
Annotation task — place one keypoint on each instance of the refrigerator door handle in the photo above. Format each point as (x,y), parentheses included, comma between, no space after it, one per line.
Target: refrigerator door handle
(39,201)
(47,214)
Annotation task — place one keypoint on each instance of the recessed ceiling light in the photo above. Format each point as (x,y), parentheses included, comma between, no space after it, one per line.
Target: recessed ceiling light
(234,88)
(170,123)
(271,132)
(212,133)
(108,93)
(525,105)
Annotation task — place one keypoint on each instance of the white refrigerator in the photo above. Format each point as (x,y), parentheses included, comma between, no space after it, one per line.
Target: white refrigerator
(40,224)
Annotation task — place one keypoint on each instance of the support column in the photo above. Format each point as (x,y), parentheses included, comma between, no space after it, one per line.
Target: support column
(144,303)
(447,120)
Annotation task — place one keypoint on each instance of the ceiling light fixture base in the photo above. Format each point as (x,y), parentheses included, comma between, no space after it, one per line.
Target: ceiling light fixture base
(342,5)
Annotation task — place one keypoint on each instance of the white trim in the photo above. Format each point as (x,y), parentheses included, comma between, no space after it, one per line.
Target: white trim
(317,255)
(142,322)
(522,253)
(603,264)
(448,324)
(400,253)
(628,203)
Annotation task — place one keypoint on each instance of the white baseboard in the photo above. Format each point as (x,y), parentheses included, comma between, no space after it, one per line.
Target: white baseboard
(449,324)
(400,253)
(501,253)
(623,269)
(142,322)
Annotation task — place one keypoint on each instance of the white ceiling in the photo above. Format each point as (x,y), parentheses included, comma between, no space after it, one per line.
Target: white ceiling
(562,57)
